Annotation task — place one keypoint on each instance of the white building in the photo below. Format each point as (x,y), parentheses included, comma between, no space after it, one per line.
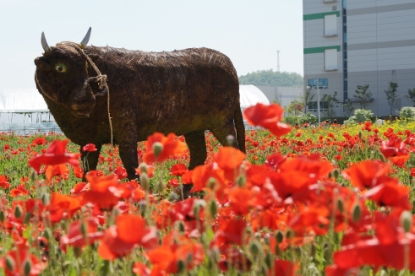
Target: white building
(358,42)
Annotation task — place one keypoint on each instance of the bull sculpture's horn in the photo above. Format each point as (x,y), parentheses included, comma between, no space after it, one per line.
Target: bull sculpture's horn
(45,45)
(84,41)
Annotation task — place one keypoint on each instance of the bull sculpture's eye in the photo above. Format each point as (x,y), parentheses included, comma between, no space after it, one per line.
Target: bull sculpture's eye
(60,67)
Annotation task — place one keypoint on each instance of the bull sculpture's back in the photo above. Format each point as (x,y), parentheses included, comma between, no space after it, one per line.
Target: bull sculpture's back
(186,92)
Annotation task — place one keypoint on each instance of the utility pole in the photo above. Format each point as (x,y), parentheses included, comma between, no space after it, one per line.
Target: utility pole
(278,60)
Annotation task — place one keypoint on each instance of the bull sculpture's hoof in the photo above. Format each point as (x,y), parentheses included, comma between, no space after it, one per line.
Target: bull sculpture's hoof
(180,193)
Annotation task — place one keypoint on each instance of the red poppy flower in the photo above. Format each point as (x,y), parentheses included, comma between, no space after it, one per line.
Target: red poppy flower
(141,269)
(202,174)
(282,267)
(121,172)
(57,170)
(169,146)
(129,230)
(3,182)
(390,193)
(54,155)
(366,174)
(20,256)
(229,159)
(39,141)
(267,116)
(89,147)
(178,169)
(175,249)
(77,238)
(19,191)
(242,199)
(63,205)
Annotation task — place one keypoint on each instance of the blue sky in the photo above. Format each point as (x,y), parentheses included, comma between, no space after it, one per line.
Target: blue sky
(249,32)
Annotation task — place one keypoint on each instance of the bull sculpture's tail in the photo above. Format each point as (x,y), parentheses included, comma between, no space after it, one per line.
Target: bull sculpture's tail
(240,128)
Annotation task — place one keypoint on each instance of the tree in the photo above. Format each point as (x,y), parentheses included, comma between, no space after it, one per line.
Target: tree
(362,95)
(271,78)
(306,98)
(332,103)
(391,94)
(411,95)
(348,108)
(295,107)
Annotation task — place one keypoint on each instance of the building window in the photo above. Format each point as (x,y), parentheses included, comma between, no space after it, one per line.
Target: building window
(323,83)
(330,25)
(330,59)
(312,106)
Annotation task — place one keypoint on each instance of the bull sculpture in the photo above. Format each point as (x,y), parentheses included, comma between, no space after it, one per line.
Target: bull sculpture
(184,91)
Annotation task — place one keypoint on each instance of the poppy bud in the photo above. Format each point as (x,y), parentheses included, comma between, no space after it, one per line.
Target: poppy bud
(47,234)
(406,221)
(160,186)
(143,168)
(213,208)
(144,181)
(33,175)
(157,149)
(289,234)
(10,264)
(18,211)
(2,216)
(27,218)
(181,227)
(382,158)
(279,236)
(180,266)
(27,267)
(336,173)
(254,248)
(241,180)
(372,154)
(268,260)
(211,183)
(340,205)
(196,210)
(84,229)
(357,212)
(230,140)
(45,199)
(360,135)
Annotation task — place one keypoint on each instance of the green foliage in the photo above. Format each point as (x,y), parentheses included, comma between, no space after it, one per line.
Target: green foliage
(391,94)
(295,107)
(348,108)
(306,98)
(332,103)
(407,113)
(362,95)
(301,118)
(411,95)
(271,78)
(360,116)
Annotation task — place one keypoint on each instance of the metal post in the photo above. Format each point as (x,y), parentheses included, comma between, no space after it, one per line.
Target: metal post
(318,100)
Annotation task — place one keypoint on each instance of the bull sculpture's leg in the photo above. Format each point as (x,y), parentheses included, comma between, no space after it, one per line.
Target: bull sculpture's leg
(222,134)
(197,146)
(129,158)
(89,160)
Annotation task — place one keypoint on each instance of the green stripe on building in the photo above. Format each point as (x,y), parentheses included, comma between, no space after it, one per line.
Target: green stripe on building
(320,49)
(319,15)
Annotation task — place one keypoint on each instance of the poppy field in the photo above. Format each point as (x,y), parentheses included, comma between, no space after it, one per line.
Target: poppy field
(326,200)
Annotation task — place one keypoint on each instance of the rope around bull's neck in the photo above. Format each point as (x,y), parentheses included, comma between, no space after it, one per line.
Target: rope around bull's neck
(102,82)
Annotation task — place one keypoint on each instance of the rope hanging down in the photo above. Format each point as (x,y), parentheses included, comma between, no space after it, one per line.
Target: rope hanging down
(102,84)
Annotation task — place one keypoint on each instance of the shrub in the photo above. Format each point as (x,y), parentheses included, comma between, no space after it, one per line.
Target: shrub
(360,116)
(407,113)
(301,119)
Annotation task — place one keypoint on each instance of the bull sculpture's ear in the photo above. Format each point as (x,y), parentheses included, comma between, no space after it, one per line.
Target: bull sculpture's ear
(45,45)
(84,41)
